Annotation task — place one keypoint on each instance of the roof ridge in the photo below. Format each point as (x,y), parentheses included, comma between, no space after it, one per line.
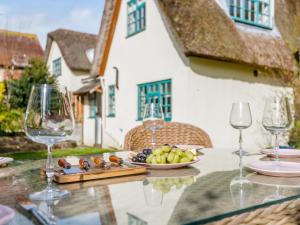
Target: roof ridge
(17,33)
(72,31)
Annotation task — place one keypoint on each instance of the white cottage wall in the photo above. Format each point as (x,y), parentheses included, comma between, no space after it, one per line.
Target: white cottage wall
(203,91)
(70,79)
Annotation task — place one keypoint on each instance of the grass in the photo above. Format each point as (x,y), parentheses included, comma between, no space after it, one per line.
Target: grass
(56,153)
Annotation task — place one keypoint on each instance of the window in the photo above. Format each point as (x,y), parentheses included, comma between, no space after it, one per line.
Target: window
(136,16)
(92,105)
(254,12)
(56,67)
(111,101)
(158,92)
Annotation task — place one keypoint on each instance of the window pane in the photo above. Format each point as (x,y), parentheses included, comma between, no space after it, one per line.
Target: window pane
(136,21)
(111,100)
(255,12)
(156,94)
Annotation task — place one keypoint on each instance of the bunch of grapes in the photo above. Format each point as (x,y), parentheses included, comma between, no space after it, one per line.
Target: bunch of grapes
(141,157)
(168,155)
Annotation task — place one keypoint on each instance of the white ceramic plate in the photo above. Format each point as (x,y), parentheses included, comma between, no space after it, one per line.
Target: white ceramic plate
(6,214)
(165,166)
(275,168)
(5,160)
(283,153)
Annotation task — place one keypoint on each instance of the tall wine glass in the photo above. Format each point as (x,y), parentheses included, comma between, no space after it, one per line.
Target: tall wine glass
(153,120)
(240,118)
(277,118)
(49,120)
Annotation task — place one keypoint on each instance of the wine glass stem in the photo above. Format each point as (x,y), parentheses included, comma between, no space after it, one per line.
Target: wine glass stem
(49,168)
(153,139)
(276,147)
(241,165)
(241,142)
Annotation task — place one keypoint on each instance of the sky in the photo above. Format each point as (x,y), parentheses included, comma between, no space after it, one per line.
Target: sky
(43,16)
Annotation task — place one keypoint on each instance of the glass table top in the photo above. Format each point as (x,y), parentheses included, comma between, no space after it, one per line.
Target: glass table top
(202,193)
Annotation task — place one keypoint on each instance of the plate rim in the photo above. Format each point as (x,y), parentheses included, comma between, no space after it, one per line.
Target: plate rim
(248,165)
(166,165)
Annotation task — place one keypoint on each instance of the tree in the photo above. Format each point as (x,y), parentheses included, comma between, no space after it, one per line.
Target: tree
(19,90)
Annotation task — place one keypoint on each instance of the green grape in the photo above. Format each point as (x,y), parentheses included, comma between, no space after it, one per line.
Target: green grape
(153,161)
(158,159)
(163,159)
(184,160)
(166,148)
(170,157)
(166,154)
(157,151)
(189,155)
(149,158)
(176,159)
(179,152)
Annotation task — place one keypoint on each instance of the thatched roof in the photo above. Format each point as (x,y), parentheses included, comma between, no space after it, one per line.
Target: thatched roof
(106,22)
(18,48)
(204,29)
(73,46)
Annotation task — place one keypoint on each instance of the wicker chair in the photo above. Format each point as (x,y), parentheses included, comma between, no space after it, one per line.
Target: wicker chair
(286,213)
(172,133)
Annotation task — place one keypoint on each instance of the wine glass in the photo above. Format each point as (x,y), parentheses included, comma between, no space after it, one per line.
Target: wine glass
(277,118)
(49,120)
(153,119)
(240,118)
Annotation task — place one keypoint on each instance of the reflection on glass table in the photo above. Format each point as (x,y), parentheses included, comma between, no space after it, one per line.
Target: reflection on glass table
(279,183)
(156,188)
(46,208)
(240,188)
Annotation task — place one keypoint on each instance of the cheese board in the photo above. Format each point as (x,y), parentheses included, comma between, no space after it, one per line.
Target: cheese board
(96,173)
(99,169)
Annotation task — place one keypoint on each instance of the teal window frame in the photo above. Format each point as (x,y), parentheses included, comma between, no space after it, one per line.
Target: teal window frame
(56,67)
(92,105)
(136,17)
(111,101)
(159,92)
(251,12)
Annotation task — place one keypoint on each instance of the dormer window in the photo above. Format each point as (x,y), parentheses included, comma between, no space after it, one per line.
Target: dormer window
(253,12)
(136,16)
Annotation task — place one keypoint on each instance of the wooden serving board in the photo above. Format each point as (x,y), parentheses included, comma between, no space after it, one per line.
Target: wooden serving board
(98,173)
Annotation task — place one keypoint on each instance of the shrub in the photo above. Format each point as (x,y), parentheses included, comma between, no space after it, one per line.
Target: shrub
(19,90)
(11,120)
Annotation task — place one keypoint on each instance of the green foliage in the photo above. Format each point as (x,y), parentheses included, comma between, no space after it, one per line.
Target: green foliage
(11,120)
(56,153)
(295,135)
(19,90)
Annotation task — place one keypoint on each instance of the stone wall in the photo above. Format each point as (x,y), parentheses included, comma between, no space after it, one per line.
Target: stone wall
(22,143)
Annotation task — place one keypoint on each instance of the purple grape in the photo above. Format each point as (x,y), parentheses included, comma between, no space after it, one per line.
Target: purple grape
(134,159)
(147,151)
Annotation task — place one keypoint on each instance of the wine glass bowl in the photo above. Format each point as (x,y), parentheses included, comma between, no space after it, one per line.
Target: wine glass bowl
(49,120)
(240,118)
(153,120)
(277,118)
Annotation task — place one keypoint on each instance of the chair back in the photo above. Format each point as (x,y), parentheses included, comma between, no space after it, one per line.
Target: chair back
(172,133)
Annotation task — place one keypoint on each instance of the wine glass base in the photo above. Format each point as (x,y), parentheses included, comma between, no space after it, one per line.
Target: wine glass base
(244,153)
(49,194)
